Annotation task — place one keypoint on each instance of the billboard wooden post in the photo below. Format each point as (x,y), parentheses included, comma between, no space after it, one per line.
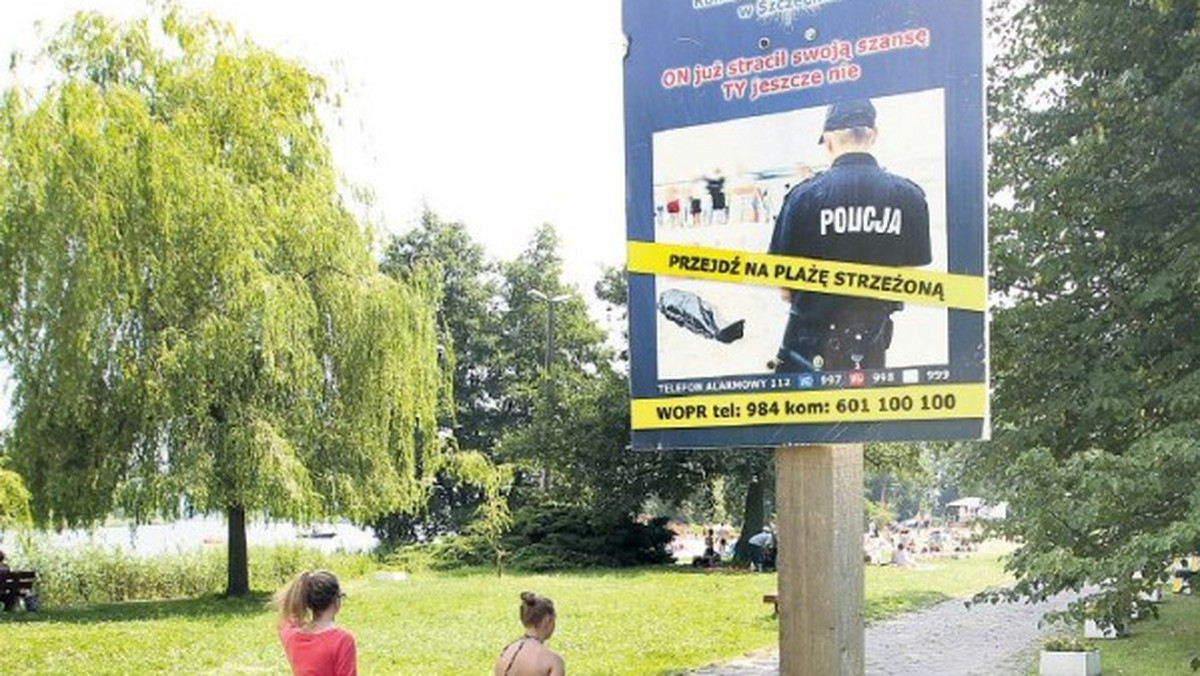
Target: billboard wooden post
(819,497)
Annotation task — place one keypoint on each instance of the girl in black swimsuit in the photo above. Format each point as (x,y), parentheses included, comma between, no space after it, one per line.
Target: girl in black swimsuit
(528,655)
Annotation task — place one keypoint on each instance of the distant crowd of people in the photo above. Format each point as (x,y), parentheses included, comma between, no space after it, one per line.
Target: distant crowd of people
(896,546)
(719,549)
(716,549)
(904,547)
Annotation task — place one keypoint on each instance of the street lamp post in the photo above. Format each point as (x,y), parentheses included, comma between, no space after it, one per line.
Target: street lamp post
(550,301)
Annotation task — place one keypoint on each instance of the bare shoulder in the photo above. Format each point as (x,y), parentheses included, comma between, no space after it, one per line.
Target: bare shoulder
(534,660)
(546,663)
(503,660)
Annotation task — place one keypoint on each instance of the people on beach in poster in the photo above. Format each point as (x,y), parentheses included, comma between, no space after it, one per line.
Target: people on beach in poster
(714,185)
(854,212)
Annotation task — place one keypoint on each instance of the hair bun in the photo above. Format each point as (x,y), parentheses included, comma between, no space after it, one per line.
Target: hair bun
(528,598)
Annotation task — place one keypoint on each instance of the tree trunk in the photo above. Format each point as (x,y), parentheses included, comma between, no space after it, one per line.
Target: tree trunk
(238,581)
(752,520)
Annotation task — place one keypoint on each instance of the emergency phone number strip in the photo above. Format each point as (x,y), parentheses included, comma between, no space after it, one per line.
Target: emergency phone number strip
(913,285)
(926,402)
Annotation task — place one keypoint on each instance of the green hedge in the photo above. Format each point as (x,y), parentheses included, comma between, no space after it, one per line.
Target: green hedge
(94,574)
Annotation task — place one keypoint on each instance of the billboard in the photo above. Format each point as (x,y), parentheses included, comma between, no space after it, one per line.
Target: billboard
(805,214)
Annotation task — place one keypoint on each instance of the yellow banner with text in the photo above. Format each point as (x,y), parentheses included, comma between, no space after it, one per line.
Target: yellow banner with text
(912,402)
(909,285)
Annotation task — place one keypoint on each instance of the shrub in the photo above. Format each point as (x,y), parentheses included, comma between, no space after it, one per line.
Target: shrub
(456,551)
(93,574)
(548,536)
(551,536)
(1068,644)
(272,567)
(450,508)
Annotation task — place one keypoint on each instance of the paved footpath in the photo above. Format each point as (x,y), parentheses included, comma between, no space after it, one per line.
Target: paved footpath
(947,639)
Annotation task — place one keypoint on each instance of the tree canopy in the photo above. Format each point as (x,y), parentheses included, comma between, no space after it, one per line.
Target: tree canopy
(1096,264)
(14,497)
(189,305)
(466,318)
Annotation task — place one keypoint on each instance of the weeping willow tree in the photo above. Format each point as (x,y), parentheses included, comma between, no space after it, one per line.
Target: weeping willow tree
(14,497)
(191,309)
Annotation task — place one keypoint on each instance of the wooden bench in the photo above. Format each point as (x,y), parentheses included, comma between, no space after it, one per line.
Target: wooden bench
(15,585)
(773,599)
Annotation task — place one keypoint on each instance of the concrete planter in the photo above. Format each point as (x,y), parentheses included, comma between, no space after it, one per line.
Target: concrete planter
(1070,664)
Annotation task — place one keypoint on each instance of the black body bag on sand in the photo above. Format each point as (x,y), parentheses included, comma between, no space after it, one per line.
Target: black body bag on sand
(694,314)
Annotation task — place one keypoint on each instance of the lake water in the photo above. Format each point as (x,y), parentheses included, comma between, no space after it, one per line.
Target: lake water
(210,531)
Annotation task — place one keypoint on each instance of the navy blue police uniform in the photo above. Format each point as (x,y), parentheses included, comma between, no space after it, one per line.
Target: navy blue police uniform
(859,213)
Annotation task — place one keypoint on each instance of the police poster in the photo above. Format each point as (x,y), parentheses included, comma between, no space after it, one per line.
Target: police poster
(805,217)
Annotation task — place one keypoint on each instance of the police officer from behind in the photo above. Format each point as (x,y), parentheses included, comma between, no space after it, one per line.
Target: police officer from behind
(854,212)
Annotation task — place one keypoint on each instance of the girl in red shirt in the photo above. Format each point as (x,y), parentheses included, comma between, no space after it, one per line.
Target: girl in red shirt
(307,608)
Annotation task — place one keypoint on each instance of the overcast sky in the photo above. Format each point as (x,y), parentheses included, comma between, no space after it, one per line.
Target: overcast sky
(504,115)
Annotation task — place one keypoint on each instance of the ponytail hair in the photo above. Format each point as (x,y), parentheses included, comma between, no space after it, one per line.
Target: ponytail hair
(307,595)
(535,608)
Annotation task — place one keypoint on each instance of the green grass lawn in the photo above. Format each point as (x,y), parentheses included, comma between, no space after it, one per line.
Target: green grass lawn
(647,621)
(1157,647)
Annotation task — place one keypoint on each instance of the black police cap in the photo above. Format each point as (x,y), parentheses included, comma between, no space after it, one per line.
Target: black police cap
(847,115)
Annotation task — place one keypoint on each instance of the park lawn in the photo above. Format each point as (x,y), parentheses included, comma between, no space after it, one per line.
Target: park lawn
(891,591)
(644,621)
(1157,646)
